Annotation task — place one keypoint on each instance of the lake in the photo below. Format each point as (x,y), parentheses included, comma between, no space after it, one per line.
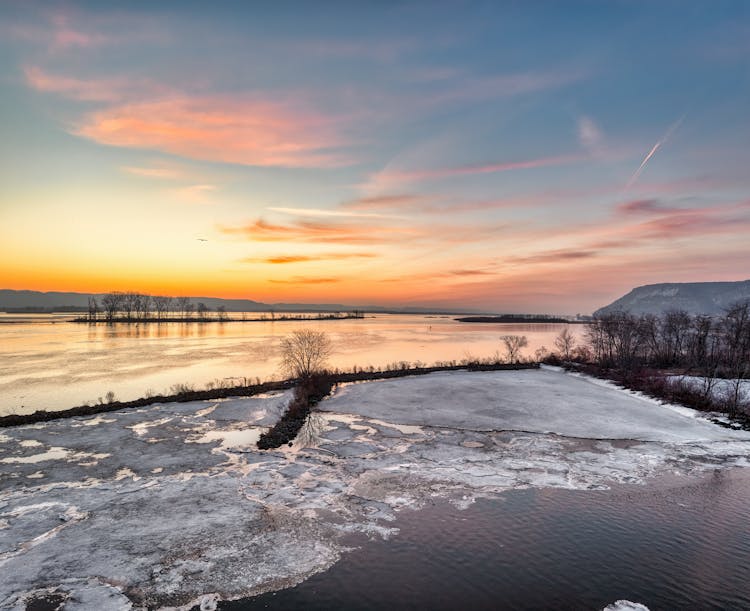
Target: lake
(48,362)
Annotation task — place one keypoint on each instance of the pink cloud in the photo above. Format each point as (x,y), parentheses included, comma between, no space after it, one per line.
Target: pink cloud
(67,35)
(390,178)
(103,90)
(396,200)
(246,130)
(227,129)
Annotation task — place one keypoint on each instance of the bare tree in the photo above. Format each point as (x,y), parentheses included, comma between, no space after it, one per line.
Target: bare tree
(111,303)
(130,304)
(183,305)
(143,306)
(221,313)
(305,353)
(202,310)
(93,309)
(513,345)
(161,305)
(565,342)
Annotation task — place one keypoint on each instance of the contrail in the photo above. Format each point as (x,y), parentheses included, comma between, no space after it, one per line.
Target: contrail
(655,148)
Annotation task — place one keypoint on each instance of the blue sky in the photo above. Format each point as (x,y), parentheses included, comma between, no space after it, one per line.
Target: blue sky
(466,153)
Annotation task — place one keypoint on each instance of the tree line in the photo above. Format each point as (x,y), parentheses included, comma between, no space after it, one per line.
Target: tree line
(654,354)
(717,346)
(141,307)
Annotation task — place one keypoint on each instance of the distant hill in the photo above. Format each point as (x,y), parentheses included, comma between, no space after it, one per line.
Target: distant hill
(36,301)
(693,297)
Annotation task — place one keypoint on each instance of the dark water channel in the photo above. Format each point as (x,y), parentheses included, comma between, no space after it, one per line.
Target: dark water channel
(677,543)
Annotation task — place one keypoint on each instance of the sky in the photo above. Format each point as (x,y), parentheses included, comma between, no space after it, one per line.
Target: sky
(502,156)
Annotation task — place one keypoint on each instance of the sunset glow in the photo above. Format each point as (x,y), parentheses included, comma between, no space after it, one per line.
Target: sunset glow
(511,158)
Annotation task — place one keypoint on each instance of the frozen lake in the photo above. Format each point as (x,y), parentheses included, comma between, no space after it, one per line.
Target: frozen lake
(520,494)
(49,363)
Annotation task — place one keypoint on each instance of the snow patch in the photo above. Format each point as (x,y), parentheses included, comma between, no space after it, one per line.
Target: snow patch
(625,605)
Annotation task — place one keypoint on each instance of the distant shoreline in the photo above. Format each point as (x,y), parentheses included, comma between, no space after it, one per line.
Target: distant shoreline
(518,319)
(195,319)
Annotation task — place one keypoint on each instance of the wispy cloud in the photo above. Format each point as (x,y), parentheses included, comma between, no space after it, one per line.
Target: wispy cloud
(66,29)
(305,280)
(590,135)
(396,200)
(195,194)
(390,179)
(645,207)
(477,88)
(436,204)
(325,233)
(57,32)
(374,50)
(469,272)
(553,256)
(98,90)
(287,259)
(162,172)
(332,213)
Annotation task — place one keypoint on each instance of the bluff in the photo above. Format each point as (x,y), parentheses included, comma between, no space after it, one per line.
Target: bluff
(693,297)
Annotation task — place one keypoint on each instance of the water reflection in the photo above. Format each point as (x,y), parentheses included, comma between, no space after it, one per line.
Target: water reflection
(310,434)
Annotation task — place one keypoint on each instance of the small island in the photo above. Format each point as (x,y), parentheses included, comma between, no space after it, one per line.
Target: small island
(516,318)
(131,307)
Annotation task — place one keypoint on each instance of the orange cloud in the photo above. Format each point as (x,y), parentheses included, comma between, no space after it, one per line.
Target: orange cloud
(305,280)
(232,129)
(305,231)
(285,259)
(227,129)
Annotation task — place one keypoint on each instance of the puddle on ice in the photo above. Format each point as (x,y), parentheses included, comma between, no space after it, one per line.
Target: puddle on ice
(233,439)
(406,429)
(125,473)
(142,428)
(96,420)
(361,423)
(53,453)
(30,443)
